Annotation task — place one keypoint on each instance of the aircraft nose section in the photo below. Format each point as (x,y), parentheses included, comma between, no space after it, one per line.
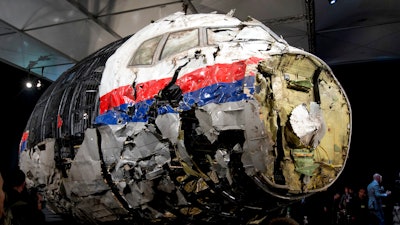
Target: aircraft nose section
(307,123)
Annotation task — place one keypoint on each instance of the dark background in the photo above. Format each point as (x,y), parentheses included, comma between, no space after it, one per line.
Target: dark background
(18,103)
(372,89)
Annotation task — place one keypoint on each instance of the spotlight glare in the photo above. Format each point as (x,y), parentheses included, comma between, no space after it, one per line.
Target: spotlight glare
(331,2)
(29,84)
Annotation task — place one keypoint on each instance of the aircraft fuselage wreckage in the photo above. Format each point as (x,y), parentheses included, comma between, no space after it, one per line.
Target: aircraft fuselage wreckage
(198,118)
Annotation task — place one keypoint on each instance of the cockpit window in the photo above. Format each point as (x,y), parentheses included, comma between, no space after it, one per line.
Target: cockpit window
(248,33)
(180,41)
(144,54)
(218,35)
(254,33)
(184,40)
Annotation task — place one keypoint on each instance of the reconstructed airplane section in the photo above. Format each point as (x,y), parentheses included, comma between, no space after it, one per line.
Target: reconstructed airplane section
(194,119)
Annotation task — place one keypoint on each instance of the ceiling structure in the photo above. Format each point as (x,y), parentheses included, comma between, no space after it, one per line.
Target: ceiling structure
(47,37)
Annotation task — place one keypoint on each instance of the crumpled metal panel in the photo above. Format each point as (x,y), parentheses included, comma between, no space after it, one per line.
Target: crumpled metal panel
(85,176)
(88,194)
(114,137)
(256,147)
(169,125)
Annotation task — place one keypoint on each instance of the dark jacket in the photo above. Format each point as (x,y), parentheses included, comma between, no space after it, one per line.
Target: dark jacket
(24,208)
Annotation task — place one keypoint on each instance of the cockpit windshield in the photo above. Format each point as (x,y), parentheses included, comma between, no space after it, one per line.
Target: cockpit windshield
(180,41)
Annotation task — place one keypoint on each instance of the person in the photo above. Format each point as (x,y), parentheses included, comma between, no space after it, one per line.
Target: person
(25,206)
(360,208)
(396,214)
(2,199)
(346,203)
(375,197)
(396,194)
(283,221)
(332,209)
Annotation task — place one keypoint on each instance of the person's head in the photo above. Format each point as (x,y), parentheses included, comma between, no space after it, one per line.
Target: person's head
(377,177)
(362,193)
(17,180)
(348,190)
(283,221)
(336,195)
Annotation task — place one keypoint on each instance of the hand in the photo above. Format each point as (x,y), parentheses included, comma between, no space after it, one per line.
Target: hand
(39,201)
(388,192)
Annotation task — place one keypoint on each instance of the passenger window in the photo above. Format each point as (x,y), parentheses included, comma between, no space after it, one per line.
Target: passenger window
(179,42)
(144,54)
